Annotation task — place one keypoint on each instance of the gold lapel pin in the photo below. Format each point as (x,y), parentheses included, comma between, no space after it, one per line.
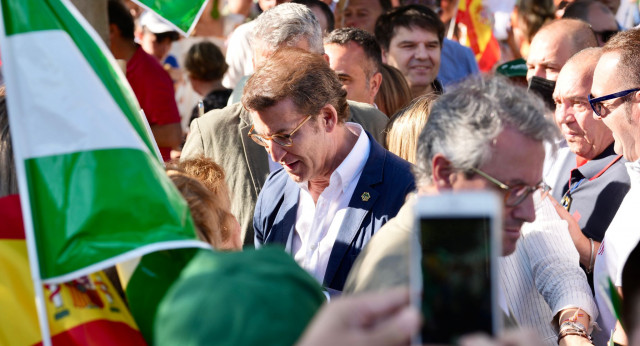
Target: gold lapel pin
(365,196)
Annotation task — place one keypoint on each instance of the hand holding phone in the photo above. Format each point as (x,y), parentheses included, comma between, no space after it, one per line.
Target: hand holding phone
(460,238)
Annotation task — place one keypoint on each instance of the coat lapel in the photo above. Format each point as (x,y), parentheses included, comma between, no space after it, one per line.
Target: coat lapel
(362,201)
(255,155)
(285,222)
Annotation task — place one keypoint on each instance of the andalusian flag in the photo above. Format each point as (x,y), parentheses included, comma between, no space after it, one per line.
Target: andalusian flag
(181,14)
(93,193)
(478,21)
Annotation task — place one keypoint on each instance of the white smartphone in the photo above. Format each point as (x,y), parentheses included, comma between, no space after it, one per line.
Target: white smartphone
(454,271)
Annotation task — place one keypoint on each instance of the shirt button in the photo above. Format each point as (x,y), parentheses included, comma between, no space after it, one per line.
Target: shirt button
(314,247)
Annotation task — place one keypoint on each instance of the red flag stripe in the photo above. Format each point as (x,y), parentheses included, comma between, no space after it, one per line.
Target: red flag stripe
(11,226)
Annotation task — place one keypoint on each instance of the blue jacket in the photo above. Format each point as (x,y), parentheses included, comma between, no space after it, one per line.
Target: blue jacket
(385,177)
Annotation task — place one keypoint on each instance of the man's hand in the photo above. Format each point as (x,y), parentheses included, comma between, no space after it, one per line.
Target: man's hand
(367,319)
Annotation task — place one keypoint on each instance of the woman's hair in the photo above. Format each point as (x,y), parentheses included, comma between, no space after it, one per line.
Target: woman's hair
(201,182)
(405,126)
(204,61)
(394,91)
(8,177)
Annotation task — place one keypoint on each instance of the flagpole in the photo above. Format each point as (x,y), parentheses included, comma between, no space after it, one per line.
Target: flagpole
(452,22)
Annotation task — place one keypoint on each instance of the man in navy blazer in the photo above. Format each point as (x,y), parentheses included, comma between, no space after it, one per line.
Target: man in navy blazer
(338,186)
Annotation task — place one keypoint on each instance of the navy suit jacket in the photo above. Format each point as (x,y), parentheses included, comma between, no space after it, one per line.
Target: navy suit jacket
(385,177)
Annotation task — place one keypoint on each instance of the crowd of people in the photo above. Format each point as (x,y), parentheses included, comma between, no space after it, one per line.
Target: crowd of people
(321,122)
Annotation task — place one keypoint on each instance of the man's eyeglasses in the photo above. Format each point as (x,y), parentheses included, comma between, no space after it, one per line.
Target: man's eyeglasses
(599,108)
(280,139)
(514,194)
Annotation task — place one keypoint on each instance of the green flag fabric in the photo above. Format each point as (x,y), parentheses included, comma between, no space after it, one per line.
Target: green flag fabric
(181,14)
(93,193)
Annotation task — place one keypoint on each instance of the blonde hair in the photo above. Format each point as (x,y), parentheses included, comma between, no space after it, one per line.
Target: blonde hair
(405,126)
(394,91)
(202,184)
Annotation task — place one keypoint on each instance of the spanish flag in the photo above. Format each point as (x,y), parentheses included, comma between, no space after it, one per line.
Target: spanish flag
(93,192)
(85,311)
(476,25)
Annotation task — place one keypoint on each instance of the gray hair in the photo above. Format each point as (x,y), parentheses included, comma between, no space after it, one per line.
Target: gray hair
(465,120)
(8,178)
(287,24)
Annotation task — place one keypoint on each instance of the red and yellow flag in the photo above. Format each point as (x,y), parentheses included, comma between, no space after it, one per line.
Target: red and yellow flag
(85,311)
(476,32)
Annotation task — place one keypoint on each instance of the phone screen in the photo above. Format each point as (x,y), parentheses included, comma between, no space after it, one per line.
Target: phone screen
(456,269)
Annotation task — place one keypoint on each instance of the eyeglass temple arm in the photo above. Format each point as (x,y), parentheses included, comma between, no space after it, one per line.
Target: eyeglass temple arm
(491,179)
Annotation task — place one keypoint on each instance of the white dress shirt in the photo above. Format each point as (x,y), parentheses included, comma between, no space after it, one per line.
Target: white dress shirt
(317,225)
(621,238)
(543,275)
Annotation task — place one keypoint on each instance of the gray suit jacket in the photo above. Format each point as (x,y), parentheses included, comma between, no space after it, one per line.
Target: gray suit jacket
(221,135)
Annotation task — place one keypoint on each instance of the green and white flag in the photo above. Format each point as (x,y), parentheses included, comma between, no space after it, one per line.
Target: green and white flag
(93,193)
(181,14)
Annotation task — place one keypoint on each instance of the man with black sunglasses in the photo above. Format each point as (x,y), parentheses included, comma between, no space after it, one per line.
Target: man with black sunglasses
(615,100)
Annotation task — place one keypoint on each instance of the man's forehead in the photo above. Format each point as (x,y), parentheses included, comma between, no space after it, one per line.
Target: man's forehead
(348,49)
(412,30)
(549,48)
(573,82)
(373,5)
(606,73)
(276,118)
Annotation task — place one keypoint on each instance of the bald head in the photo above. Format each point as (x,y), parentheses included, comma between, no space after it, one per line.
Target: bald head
(554,44)
(586,59)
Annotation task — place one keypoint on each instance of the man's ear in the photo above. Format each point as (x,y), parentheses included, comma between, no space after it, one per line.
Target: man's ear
(374,84)
(443,172)
(329,117)
(326,57)
(385,54)
(114,31)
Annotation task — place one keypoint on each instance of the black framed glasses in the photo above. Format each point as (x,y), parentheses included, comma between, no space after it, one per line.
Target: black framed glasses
(516,194)
(599,108)
(280,139)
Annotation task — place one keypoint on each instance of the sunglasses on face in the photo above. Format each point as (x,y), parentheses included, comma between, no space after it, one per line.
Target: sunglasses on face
(599,108)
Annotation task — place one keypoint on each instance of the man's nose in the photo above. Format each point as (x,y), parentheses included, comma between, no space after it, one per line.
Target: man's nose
(564,113)
(525,211)
(276,151)
(540,71)
(421,52)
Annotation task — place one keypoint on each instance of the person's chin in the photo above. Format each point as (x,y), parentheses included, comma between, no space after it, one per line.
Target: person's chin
(509,240)
(295,172)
